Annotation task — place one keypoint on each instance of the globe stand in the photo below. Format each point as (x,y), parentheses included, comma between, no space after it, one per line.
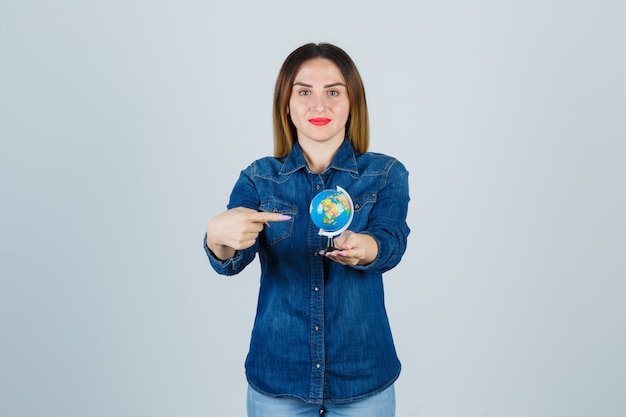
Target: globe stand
(330,246)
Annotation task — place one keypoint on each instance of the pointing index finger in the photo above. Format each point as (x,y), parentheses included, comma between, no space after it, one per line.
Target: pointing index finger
(265,217)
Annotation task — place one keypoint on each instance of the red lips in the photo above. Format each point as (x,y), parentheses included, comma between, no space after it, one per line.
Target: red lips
(319,121)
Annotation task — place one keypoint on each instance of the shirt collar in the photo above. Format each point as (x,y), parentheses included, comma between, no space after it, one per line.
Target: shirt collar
(344,160)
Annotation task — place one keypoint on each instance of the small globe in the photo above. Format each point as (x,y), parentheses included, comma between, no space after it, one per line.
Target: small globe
(331,210)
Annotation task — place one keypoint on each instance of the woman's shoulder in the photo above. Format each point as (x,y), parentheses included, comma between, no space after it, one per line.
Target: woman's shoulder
(376,161)
(266,165)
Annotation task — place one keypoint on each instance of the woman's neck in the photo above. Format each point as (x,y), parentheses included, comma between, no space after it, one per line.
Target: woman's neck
(319,155)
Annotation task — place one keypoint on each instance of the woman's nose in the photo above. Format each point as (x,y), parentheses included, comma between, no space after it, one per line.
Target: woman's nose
(317,103)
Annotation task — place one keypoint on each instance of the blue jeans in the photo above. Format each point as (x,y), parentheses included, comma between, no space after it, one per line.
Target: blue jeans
(382,404)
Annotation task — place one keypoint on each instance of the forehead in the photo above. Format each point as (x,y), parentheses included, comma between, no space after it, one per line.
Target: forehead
(319,69)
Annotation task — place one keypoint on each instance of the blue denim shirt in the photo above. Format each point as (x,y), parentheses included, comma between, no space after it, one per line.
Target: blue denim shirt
(321,331)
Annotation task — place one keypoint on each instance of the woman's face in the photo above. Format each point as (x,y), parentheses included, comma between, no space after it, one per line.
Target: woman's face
(319,105)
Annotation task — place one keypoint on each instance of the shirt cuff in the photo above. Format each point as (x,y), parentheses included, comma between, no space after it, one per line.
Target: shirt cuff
(226,267)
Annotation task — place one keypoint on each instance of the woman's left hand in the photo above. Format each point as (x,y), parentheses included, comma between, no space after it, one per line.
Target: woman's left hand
(354,249)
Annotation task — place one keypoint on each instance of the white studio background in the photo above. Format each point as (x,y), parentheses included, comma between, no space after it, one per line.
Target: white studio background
(124,125)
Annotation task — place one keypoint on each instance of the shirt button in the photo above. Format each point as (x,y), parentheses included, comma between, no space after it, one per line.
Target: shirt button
(318,366)
(317,187)
(317,328)
(316,289)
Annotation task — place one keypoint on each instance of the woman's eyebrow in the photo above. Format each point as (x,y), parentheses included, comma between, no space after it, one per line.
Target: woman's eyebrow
(334,85)
(326,86)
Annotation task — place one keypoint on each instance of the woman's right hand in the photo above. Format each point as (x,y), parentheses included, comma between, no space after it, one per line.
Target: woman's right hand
(237,229)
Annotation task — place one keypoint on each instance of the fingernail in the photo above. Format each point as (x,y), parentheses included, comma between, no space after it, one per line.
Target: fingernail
(285,217)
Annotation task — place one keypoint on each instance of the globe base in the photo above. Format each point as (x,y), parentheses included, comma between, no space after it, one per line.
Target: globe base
(330,247)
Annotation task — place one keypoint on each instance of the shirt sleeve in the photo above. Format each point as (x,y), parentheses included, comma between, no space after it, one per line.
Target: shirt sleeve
(244,194)
(387,220)
(231,266)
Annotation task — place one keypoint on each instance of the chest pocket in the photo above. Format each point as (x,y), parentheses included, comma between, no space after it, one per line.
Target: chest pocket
(363,204)
(278,231)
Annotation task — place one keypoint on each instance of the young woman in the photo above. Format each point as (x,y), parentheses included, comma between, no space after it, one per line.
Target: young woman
(321,341)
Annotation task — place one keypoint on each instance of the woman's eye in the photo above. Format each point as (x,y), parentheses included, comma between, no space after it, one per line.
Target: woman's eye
(304,92)
(333,93)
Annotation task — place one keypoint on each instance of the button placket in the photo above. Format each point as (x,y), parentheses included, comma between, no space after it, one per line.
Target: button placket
(318,353)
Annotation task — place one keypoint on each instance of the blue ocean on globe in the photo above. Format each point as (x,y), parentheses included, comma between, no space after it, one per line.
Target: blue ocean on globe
(331,210)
